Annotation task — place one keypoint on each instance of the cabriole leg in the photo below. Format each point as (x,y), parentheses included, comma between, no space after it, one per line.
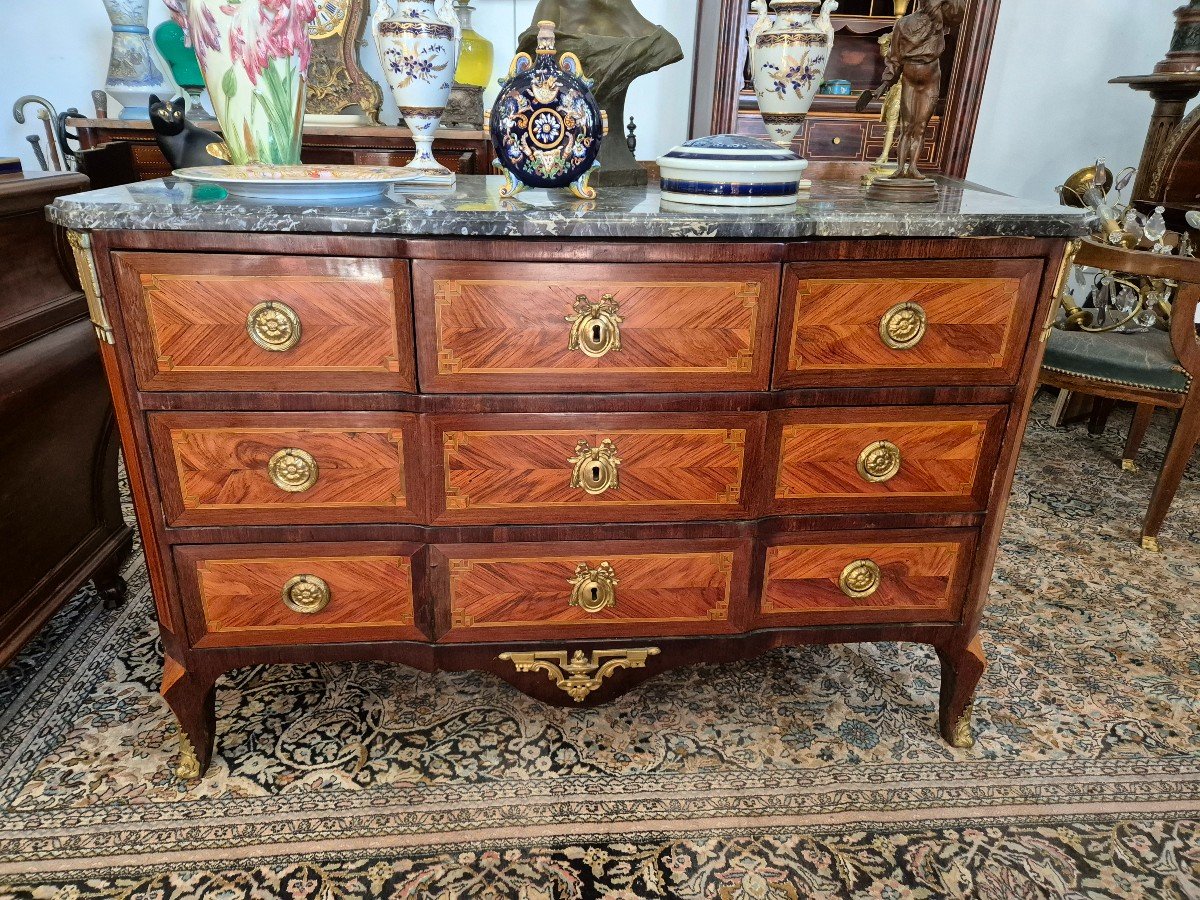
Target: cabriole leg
(192,698)
(961,672)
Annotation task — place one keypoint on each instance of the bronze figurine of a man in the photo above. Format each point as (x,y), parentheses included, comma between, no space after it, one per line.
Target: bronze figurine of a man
(915,59)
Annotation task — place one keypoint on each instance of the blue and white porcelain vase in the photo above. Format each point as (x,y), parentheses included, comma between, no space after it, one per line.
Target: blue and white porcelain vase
(418,43)
(133,71)
(546,125)
(788,58)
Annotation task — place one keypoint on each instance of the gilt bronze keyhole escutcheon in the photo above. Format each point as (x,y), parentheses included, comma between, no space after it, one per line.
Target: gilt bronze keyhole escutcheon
(595,327)
(903,326)
(595,467)
(273,326)
(879,462)
(594,590)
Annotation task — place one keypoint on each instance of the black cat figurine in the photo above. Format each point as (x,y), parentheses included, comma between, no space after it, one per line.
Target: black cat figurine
(183,143)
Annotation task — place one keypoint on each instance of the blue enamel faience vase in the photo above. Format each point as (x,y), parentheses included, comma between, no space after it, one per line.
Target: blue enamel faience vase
(545,125)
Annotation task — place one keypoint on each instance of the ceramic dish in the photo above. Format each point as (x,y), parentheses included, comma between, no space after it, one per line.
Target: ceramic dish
(731,170)
(300,184)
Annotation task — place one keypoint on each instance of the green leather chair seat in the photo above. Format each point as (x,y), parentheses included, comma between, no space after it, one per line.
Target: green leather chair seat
(1141,360)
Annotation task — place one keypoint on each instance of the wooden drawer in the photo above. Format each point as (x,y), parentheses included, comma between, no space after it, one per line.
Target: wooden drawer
(905,323)
(510,327)
(232,322)
(565,591)
(876,577)
(884,459)
(502,469)
(286,468)
(234,595)
(834,140)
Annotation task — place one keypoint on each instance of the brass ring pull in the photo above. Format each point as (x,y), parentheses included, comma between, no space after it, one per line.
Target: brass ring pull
(306,594)
(595,467)
(594,590)
(879,462)
(293,470)
(860,579)
(273,326)
(595,327)
(903,326)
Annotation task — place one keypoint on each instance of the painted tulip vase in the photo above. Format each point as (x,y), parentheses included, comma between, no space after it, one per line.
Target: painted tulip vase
(133,72)
(418,43)
(254,55)
(788,60)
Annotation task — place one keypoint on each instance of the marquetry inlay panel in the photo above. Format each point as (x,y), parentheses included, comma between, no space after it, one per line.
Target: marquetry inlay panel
(349,319)
(665,592)
(526,475)
(937,457)
(230,472)
(507,327)
(906,323)
(921,577)
(241,599)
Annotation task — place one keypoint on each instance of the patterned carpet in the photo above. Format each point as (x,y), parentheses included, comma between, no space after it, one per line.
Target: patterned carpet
(806,773)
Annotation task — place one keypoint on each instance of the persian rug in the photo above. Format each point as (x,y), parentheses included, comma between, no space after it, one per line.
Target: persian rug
(811,772)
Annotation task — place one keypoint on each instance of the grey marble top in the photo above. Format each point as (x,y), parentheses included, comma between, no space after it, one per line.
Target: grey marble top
(474,208)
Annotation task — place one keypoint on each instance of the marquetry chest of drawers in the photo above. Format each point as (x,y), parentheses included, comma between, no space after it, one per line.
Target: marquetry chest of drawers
(572,463)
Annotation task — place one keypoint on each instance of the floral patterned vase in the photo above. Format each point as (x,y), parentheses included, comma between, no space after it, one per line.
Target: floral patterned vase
(254,54)
(546,125)
(788,60)
(418,45)
(133,73)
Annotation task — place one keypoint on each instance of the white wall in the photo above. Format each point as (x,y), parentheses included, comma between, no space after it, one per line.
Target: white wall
(59,49)
(1048,108)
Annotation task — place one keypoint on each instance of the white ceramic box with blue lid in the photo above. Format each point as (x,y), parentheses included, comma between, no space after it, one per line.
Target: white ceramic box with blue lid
(731,170)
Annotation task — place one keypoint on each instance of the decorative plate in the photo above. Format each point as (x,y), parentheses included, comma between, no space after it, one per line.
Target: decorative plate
(545,124)
(731,170)
(300,184)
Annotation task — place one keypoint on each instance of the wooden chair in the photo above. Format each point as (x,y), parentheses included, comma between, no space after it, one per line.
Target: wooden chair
(1153,369)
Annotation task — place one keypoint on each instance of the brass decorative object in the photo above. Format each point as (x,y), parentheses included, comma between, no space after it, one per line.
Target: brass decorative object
(292,470)
(889,116)
(189,766)
(306,594)
(336,81)
(595,327)
(903,326)
(879,462)
(860,579)
(914,59)
(1062,297)
(596,468)
(274,326)
(963,736)
(85,263)
(594,590)
(577,674)
(1150,544)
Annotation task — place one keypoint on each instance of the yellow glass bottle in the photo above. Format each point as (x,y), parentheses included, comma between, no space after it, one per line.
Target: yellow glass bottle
(475,61)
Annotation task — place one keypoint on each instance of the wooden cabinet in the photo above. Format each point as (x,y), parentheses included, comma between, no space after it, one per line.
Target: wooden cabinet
(836,138)
(575,463)
(60,514)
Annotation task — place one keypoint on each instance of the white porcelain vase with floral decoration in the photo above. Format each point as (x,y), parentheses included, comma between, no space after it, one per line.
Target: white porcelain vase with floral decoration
(418,42)
(788,58)
(254,55)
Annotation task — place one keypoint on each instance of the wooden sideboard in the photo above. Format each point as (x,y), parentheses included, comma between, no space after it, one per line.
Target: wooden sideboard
(60,514)
(463,151)
(573,463)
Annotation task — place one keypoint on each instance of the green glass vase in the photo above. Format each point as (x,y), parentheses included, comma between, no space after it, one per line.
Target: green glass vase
(171,42)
